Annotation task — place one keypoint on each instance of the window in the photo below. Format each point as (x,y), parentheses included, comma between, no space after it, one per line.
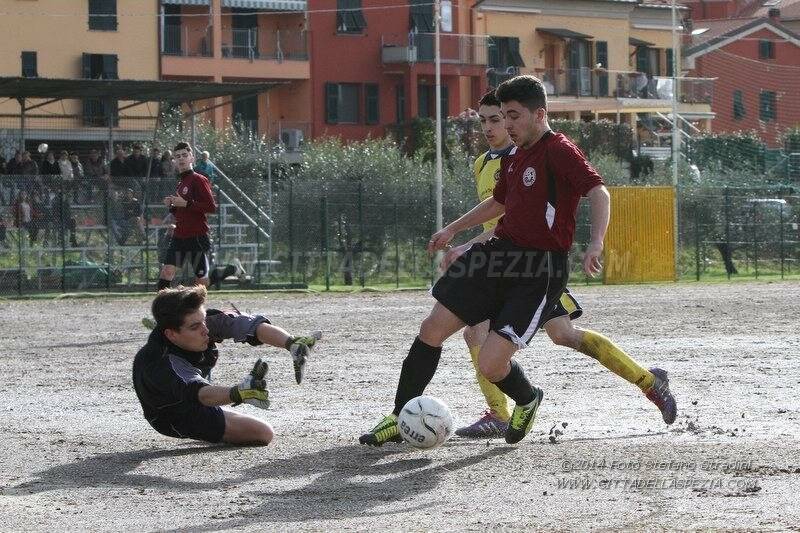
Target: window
(103,15)
(341,103)
(670,59)
(400,104)
(245,115)
(738,104)
(766,49)
(767,109)
(504,52)
(421,16)
(349,18)
(426,97)
(96,111)
(29,65)
(371,107)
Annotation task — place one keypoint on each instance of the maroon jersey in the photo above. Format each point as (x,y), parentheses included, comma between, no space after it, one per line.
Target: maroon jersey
(536,215)
(190,221)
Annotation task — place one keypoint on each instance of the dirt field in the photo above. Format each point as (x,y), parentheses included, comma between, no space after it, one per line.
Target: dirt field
(77,453)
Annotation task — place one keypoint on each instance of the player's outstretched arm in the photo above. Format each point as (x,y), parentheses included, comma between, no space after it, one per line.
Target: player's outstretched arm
(600,203)
(251,390)
(483,212)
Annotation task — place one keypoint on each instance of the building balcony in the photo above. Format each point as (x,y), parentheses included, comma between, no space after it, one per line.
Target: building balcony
(602,83)
(182,41)
(257,43)
(470,50)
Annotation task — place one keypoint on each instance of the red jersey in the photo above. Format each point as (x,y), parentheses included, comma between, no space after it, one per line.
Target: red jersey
(190,221)
(536,216)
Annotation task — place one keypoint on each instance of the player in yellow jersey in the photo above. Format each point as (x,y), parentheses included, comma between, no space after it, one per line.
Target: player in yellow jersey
(559,326)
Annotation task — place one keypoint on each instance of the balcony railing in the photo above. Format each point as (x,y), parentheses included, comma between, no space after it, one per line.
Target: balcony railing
(601,83)
(181,41)
(420,47)
(254,43)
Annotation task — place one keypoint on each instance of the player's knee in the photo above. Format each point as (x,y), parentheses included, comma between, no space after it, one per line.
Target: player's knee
(565,336)
(167,272)
(469,335)
(429,332)
(264,434)
(492,370)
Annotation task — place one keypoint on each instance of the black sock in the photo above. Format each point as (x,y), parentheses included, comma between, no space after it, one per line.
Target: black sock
(418,370)
(516,385)
(163,284)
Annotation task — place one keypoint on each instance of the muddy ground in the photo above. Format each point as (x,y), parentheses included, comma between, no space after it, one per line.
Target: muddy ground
(77,453)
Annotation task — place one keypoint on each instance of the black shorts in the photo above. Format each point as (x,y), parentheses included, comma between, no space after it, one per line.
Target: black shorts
(516,288)
(567,306)
(200,423)
(193,250)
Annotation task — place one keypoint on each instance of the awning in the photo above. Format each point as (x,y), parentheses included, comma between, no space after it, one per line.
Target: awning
(633,41)
(275,5)
(128,90)
(564,33)
(187,2)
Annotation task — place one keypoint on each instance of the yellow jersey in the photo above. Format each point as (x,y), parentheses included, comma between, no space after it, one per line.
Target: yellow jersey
(487,170)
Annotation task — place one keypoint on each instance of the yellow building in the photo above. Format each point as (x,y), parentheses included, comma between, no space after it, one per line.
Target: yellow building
(105,39)
(597,59)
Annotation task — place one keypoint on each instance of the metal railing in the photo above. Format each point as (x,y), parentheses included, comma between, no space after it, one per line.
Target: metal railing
(179,40)
(256,43)
(420,48)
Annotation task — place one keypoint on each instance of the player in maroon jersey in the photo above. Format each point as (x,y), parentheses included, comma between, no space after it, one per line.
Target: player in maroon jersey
(516,278)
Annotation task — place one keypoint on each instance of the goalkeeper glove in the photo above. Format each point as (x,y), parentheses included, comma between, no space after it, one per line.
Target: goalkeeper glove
(300,349)
(253,388)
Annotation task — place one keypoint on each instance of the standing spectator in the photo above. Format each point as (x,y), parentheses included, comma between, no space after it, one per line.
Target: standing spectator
(127,218)
(2,164)
(205,167)
(64,165)
(30,170)
(3,228)
(14,162)
(23,215)
(154,185)
(81,183)
(119,170)
(62,219)
(96,171)
(168,173)
(49,168)
(137,165)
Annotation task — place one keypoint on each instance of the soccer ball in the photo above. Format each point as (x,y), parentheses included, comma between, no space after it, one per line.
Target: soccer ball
(425,422)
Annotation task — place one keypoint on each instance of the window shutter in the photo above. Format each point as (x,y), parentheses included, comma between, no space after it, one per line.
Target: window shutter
(110,67)
(331,103)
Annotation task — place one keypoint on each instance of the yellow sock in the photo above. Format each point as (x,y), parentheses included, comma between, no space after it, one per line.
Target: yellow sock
(613,358)
(495,398)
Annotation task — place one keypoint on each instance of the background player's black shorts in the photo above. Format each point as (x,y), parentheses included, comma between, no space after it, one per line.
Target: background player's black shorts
(567,306)
(193,250)
(200,423)
(516,288)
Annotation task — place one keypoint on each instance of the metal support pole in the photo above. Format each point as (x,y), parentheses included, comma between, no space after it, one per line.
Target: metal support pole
(291,231)
(21,124)
(396,249)
(438,69)
(63,239)
(697,241)
(193,123)
(783,242)
(361,276)
(324,233)
(728,250)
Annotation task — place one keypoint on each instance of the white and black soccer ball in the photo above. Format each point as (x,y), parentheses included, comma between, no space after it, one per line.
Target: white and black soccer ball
(425,422)
(42,148)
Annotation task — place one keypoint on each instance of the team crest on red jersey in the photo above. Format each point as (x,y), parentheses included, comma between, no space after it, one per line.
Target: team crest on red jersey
(497,175)
(529,176)
(185,189)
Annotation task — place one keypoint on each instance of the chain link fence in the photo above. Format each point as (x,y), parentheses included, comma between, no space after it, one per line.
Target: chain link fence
(61,234)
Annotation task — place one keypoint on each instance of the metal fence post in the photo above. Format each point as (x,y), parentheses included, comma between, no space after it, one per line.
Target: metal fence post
(697,241)
(324,233)
(361,275)
(728,229)
(396,249)
(19,254)
(755,237)
(146,196)
(62,227)
(108,239)
(291,231)
(783,242)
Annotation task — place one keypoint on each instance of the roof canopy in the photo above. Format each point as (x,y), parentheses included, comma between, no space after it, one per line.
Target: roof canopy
(129,90)
(564,33)
(633,41)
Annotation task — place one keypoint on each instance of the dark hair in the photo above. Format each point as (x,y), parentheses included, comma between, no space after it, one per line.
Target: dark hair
(489,99)
(171,306)
(527,90)
(137,146)
(182,146)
